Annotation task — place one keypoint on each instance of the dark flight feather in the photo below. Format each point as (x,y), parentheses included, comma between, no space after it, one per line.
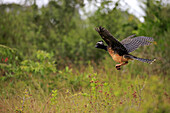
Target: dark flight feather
(111,41)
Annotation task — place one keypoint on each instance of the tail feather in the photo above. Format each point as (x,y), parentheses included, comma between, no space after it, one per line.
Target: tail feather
(150,61)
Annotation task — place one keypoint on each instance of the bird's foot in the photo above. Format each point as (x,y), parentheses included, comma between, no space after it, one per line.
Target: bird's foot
(118,67)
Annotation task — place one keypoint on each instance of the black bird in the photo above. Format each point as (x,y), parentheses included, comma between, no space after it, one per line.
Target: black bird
(119,51)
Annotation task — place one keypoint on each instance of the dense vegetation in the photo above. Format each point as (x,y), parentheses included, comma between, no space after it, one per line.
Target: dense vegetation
(48,62)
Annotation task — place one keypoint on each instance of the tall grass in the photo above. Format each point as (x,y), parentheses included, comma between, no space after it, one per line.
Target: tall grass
(94,88)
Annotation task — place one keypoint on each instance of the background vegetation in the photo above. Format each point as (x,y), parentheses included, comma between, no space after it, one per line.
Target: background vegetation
(48,62)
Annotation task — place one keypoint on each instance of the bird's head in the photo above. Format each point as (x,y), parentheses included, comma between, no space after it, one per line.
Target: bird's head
(100,45)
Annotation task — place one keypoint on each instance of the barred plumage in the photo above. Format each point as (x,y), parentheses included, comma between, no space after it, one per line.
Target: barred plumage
(145,60)
(132,44)
(149,61)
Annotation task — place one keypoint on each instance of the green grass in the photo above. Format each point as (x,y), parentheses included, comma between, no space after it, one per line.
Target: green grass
(91,88)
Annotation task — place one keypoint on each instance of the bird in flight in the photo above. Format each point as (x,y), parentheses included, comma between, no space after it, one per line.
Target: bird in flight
(119,51)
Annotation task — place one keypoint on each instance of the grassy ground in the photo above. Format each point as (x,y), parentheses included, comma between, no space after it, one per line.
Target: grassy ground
(95,88)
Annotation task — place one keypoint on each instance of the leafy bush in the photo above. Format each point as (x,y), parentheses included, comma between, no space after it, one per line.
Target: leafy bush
(48,62)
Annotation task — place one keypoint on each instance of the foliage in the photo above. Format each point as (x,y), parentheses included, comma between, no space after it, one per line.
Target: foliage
(58,27)
(48,62)
(120,93)
(120,23)
(42,65)
(157,25)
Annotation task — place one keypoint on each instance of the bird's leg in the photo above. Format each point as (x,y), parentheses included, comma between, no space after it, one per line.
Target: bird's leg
(121,64)
(118,66)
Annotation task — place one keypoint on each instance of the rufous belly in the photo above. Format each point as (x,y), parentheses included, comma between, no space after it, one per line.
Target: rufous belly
(116,57)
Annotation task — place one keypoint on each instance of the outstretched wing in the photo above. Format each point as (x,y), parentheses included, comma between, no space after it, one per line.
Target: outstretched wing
(111,41)
(132,44)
